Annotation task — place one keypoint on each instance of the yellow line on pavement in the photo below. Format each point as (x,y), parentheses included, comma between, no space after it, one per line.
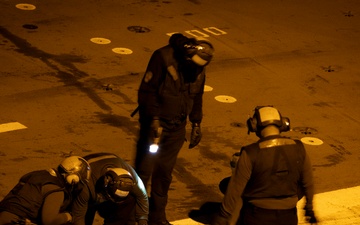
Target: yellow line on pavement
(5,127)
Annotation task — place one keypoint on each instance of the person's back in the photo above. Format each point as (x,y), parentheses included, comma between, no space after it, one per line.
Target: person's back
(277,168)
(268,175)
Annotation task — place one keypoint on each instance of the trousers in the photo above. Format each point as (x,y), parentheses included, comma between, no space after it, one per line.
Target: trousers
(155,169)
(114,213)
(252,215)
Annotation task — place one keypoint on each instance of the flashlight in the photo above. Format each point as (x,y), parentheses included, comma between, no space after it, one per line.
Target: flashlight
(155,145)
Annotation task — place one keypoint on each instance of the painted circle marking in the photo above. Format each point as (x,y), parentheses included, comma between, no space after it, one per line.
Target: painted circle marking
(100,41)
(225,99)
(311,141)
(123,51)
(208,88)
(24,6)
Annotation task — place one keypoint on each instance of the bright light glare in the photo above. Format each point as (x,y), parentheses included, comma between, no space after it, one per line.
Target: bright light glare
(154,148)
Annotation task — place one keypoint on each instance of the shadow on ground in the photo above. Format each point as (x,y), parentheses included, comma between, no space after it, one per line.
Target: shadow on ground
(205,213)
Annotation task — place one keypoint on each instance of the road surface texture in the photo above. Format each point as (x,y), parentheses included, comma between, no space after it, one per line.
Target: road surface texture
(70,71)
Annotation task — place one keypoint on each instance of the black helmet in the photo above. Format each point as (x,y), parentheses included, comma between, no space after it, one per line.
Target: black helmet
(118,182)
(198,50)
(201,53)
(75,169)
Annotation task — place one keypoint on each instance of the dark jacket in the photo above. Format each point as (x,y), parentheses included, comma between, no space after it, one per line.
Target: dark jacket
(26,198)
(277,168)
(171,89)
(92,194)
(268,174)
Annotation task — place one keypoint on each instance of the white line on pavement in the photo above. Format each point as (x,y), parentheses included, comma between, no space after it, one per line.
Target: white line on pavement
(340,207)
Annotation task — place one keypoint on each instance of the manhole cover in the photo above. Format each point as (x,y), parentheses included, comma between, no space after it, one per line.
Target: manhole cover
(305,130)
(138,29)
(30,26)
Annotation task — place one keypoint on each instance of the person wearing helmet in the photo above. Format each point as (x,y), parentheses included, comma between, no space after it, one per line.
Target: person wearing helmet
(114,191)
(43,197)
(264,187)
(170,92)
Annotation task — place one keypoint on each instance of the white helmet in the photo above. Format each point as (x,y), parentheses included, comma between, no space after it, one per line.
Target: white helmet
(118,183)
(265,116)
(75,169)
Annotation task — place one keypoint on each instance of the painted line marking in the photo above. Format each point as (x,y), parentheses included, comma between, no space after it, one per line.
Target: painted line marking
(214,31)
(331,208)
(199,33)
(5,127)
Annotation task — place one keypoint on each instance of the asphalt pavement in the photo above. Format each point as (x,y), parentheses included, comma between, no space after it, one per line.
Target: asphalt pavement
(70,72)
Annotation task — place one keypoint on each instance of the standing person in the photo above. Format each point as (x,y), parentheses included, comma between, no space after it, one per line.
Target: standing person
(171,91)
(267,176)
(43,197)
(114,191)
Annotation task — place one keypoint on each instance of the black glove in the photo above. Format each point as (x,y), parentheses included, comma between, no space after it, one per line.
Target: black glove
(310,216)
(155,128)
(195,135)
(142,222)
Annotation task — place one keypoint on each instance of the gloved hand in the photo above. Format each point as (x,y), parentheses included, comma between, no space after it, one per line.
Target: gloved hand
(142,222)
(310,216)
(195,135)
(155,128)
(69,217)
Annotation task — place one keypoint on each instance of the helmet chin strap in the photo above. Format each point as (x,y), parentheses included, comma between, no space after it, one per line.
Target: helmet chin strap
(121,194)
(198,60)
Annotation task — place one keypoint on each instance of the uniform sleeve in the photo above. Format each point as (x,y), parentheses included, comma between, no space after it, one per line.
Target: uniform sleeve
(232,202)
(139,191)
(196,113)
(51,214)
(142,202)
(149,88)
(308,183)
(80,206)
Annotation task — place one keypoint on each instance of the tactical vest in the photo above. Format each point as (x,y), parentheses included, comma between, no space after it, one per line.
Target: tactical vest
(176,93)
(26,198)
(277,164)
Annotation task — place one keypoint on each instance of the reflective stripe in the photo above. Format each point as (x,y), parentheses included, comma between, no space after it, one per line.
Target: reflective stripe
(276,142)
(101,158)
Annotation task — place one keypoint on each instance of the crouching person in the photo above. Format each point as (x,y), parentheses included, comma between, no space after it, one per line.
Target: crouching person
(43,197)
(114,191)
